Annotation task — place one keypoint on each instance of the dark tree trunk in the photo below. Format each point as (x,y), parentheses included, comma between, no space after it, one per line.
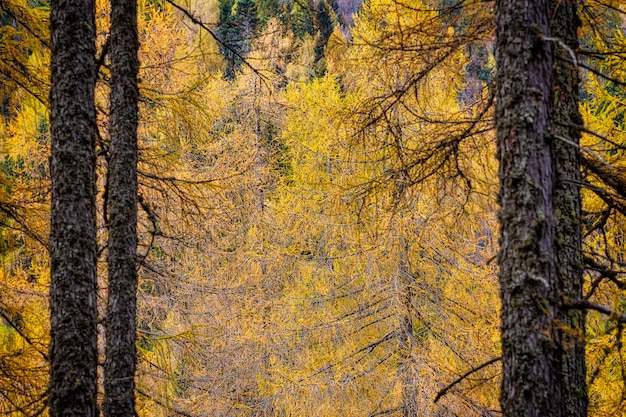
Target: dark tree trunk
(531,351)
(564,24)
(120,363)
(73,345)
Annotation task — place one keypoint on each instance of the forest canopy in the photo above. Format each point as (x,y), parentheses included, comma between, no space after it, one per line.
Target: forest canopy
(321,214)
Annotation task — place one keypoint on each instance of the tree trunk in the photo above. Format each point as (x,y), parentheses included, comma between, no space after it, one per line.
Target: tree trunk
(120,363)
(406,372)
(531,350)
(73,345)
(564,24)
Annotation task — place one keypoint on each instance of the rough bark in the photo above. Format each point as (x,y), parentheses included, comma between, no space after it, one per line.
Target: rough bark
(531,351)
(564,24)
(73,345)
(120,363)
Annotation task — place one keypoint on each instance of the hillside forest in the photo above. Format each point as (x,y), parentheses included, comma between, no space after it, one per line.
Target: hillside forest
(323,209)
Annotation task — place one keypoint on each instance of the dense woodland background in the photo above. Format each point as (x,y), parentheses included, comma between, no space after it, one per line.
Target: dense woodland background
(318,199)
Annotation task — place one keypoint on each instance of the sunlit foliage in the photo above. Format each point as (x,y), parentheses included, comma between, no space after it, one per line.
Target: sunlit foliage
(317,215)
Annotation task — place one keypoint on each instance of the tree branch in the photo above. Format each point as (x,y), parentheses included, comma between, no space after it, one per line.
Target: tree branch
(608,174)
(204,26)
(162,404)
(589,305)
(8,320)
(447,388)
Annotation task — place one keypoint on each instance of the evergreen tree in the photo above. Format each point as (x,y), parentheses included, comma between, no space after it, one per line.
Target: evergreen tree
(301,18)
(227,33)
(268,9)
(325,24)
(237,27)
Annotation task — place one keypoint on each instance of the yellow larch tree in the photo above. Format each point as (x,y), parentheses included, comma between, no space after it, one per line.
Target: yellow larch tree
(309,245)
(602,103)
(24,191)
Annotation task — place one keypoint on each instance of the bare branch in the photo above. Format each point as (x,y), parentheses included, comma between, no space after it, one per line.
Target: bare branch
(8,320)
(605,272)
(589,305)
(447,388)
(204,26)
(162,404)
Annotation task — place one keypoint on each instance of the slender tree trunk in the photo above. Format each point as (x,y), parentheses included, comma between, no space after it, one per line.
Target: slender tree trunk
(564,24)
(120,363)
(73,345)
(406,371)
(531,350)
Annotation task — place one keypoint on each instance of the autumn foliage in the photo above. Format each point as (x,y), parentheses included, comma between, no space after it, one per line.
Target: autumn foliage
(317,207)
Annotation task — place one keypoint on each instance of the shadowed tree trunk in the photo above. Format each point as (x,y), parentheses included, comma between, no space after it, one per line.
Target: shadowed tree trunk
(564,24)
(73,321)
(121,362)
(531,350)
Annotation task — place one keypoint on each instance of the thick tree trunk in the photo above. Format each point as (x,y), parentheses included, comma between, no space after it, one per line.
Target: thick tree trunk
(73,345)
(531,349)
(564,24)
(120,364)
